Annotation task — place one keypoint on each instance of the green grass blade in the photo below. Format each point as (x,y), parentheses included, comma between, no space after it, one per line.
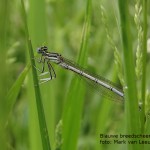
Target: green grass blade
(14,91)
(40,109)
(131,107)
(37,22)
(74,105)
(39,8)
(4,14)
(144,58)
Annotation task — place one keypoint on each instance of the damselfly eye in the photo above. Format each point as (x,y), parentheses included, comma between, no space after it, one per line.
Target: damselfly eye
(39,50)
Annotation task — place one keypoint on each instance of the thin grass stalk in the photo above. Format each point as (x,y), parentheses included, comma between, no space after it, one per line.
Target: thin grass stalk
(4,14)
(144,56)
(40,109)
(38,29)
(131,102)
(75,98)
(14,90)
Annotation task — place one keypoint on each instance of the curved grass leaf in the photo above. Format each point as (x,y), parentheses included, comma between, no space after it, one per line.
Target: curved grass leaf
(14,90)
(74,105)
(40,109)
(131,102)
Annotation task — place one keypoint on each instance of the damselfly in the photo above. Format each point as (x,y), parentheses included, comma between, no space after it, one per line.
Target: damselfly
(107,87)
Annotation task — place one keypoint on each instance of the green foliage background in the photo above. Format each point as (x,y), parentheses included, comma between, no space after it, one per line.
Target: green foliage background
(87,32)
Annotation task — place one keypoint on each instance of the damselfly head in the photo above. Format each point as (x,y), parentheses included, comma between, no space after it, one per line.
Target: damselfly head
(42,49)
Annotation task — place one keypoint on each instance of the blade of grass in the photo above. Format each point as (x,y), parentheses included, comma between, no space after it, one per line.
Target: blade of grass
(75,98)
(103,115)
(37,23)
(40,109)
(131,102)
(14,90)
(41,115)
(144,56)
(38,8)
(4,14)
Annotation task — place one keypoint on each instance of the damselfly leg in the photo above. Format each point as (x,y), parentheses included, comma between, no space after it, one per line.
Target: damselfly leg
(41,60)
(50,70)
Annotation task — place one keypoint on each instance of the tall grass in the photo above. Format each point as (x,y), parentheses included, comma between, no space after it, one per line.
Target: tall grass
(144,58)
(39,104)
(37,22)
(132,111)
(130,89)
(3,79)
(95,37)
(72,117)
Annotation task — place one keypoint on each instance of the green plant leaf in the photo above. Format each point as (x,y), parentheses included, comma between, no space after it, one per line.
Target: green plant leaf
(75,98)
(14,90)
(39,104)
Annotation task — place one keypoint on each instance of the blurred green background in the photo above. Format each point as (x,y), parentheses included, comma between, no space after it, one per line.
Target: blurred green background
(59,25)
